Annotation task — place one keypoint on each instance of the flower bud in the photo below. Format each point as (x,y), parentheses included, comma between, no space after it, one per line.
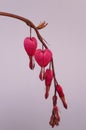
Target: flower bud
(61,95)
(48,77)
(60,91)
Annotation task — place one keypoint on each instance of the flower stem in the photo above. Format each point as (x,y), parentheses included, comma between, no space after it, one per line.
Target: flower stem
(30,23)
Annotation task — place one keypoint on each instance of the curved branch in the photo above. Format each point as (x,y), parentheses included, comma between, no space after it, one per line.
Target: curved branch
(29,23)
(55,117)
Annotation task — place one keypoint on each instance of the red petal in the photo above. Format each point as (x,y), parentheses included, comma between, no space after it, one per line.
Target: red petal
(43,57)
(30,45)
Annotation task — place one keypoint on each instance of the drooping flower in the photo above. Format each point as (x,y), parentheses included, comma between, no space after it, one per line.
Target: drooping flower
(30,45)
(43,57)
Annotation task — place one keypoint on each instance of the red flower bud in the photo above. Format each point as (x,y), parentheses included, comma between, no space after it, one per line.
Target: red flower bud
(61,95)
(48,77)
(60,90)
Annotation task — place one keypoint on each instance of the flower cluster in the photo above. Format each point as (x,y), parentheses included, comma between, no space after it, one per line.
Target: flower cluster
(43,57)
(55,118)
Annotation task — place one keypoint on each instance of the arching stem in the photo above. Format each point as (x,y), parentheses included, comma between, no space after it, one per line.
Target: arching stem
(30,23)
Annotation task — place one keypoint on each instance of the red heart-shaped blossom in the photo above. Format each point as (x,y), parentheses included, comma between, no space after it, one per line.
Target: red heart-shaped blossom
(30,45)
(43,57)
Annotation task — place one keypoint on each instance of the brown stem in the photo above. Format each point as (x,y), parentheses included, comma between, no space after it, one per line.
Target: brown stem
(55,81)
(29,23)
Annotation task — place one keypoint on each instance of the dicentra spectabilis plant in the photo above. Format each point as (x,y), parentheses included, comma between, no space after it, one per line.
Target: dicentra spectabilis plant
(44,58)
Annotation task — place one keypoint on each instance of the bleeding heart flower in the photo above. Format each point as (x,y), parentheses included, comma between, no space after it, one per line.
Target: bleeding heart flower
(61,95)
(30,45)
(43,57)
(48,77)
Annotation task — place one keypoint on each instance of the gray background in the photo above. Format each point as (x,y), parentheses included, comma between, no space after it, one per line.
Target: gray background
(22,103)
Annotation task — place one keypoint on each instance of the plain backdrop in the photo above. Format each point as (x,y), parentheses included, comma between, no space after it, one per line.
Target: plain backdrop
(22,103)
